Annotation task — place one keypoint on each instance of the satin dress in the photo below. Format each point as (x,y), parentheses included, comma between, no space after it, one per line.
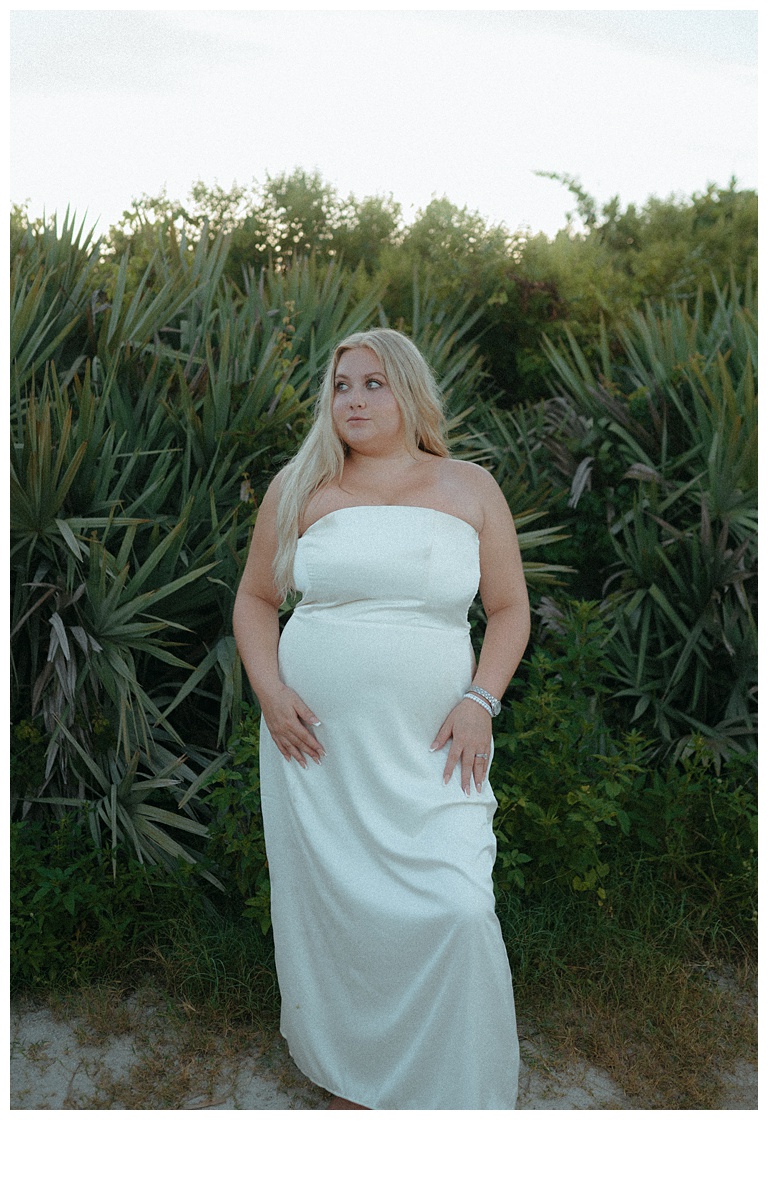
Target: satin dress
(395,982)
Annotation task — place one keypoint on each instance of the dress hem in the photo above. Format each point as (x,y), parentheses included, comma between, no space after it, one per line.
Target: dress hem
(325,1087)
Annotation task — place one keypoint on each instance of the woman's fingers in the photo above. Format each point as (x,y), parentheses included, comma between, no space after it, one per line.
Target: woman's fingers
(312,748)
(309,742)
(474,765)
(305,713)
(304,744)
(464,728)
(480,768)
(293,749)
(467,764)
(442,737)
(294,740)
(454,754)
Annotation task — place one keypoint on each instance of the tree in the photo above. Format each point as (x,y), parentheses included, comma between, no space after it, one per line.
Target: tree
(667,249)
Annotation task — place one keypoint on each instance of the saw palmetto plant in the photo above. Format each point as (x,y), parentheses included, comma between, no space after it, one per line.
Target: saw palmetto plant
(672,412)
(147,415)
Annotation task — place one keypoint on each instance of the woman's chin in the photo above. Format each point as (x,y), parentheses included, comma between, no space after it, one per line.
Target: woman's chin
(353,438)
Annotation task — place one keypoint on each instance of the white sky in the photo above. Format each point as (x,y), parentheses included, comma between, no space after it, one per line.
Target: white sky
(109,103)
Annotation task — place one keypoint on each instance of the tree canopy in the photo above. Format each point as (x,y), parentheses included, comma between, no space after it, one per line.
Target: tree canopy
(605,260)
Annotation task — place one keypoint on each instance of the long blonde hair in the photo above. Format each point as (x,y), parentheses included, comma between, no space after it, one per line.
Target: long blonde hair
(320,459)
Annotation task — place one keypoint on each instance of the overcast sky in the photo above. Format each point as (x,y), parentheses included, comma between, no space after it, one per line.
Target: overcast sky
(110,103)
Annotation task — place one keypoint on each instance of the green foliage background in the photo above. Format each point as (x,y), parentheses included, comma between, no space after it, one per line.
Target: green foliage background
(606,377)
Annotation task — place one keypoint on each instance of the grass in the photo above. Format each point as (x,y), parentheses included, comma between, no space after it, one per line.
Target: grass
(174,1057)
(659,1000)
(221,969)
(198,1004)
(649,988)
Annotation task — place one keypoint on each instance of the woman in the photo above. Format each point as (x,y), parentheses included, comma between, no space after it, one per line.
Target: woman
(396,989)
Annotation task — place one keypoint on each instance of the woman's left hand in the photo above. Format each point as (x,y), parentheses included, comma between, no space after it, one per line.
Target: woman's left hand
(468,727)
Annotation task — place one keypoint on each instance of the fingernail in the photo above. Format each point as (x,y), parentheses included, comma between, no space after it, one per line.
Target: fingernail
(432,749)
(317,722)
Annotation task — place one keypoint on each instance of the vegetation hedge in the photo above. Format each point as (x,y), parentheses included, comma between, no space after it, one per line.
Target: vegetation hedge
(160,379)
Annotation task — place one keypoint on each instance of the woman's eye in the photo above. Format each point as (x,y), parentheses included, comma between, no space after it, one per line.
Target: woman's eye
(343,386)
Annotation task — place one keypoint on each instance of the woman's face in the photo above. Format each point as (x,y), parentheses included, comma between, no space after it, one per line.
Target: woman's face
(365,413)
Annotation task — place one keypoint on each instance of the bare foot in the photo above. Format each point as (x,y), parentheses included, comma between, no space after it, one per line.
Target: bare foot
(337,1102)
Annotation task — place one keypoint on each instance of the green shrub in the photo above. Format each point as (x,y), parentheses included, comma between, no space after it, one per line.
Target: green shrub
(584,802)
(663,430)
(698,830)
(560,782)
(145,428)
(28,746)
(236,829)
(72,918)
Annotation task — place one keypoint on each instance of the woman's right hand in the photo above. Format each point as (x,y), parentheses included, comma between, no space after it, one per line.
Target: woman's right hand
(287,718)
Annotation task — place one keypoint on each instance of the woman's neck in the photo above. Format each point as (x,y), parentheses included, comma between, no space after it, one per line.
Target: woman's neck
(385,476)
(383,460)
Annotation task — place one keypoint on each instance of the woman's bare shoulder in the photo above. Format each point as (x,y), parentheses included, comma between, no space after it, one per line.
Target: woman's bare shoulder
(276,482)
(274,490)
(469,477)
(469,491)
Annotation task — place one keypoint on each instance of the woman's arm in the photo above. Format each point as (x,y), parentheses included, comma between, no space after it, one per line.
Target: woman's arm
(505,599)
(504,596)
(256,627)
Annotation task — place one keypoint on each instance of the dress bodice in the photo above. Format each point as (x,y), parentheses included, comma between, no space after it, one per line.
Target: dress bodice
(388,563)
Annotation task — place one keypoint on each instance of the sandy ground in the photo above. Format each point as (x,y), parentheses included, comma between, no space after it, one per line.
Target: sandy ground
(64,1064)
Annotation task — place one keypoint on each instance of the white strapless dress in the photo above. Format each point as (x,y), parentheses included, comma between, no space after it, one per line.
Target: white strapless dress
(395,983)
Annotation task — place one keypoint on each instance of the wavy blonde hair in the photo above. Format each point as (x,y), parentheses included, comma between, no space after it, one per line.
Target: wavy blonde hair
(321,458)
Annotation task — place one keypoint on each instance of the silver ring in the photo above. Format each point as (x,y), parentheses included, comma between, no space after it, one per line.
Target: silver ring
(481,756)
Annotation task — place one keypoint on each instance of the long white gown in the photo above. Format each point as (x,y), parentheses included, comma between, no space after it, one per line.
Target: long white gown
(395,983)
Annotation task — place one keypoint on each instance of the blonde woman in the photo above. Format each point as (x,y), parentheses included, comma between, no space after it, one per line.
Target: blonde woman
(376,741)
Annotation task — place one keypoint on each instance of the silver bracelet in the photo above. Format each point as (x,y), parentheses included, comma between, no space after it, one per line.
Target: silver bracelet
(494,703)
(482,703)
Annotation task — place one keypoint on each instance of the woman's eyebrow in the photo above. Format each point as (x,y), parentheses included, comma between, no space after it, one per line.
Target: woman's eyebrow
(368,375)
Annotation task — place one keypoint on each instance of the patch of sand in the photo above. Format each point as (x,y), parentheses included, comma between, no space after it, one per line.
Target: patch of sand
(59,1064)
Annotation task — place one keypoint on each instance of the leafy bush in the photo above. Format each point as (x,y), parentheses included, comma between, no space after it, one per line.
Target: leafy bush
(583,803)
(154,395)
(698,831)
(524,283)
(668,249)
(72,918)
(144,423)
(658,448)
(147,417)
(560,781)
(237,844)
